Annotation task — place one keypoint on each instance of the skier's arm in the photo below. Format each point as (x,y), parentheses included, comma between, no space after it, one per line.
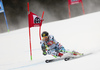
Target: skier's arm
(57,44)
(53,39)
(43,47)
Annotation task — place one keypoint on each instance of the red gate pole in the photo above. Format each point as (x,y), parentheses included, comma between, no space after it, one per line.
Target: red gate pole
(40,26)
(29,32)
(82,7)
(30,43)
(69,11)
(42,14)
(40,32)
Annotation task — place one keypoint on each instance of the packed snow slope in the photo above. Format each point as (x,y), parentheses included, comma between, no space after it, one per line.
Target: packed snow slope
(80,33)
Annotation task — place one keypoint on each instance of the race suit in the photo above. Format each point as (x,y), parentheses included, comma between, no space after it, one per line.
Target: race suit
(53,46)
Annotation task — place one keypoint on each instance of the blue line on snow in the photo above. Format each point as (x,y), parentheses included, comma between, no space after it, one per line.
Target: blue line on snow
(28,65)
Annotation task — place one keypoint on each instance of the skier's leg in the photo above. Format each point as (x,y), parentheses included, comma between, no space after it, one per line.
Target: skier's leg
(54,53)
(63,50)
(60,48)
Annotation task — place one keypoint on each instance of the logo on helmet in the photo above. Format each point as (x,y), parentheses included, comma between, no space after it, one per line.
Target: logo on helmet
(43,34)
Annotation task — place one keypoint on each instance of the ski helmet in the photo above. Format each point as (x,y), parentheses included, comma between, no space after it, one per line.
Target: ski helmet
(45,33)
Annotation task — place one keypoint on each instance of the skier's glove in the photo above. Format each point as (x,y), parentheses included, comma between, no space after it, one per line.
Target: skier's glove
(44,53)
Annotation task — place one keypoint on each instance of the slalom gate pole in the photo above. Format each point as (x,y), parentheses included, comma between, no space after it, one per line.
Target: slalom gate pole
(30,43)
(2,8)
(40,32)
(29,32)
(69,11)
(40,27)
(82,7)
(6,21)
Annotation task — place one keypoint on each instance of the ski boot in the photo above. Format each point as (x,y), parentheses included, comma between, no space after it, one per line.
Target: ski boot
(76,53)
(60,54)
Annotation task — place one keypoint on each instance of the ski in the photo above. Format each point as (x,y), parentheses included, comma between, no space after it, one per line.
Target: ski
(66,58)
(53,60)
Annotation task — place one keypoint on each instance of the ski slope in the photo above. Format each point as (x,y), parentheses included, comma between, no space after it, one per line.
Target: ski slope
(80,33)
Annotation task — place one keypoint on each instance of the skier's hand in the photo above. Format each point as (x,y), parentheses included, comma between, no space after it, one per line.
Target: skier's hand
(44,53)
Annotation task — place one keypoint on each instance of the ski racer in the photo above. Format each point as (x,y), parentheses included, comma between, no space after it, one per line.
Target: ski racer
(50,46)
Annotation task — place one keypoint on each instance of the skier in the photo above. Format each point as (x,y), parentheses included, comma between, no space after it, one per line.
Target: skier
(50,46)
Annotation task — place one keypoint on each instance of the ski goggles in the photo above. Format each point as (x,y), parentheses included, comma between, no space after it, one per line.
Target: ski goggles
(45,37)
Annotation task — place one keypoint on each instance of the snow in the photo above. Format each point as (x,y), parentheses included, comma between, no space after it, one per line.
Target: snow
(80,33)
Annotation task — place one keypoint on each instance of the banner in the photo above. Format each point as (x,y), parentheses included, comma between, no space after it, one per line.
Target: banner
(2,11)
(34,20)
(1,7)
(74,1)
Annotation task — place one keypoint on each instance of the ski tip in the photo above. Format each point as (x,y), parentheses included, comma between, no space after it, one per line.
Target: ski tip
(66,59)
(47,61)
